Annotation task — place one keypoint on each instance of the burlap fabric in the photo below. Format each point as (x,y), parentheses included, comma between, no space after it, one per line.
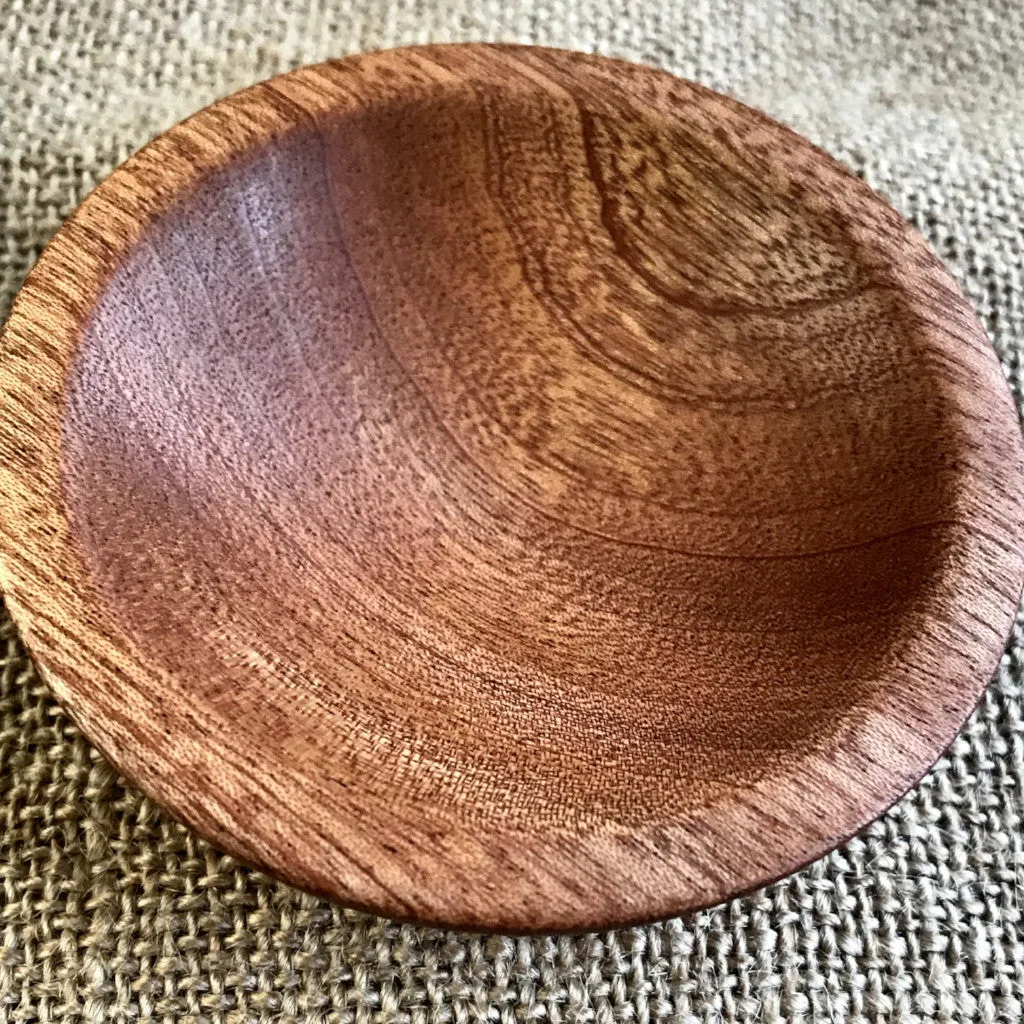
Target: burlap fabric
(110,911)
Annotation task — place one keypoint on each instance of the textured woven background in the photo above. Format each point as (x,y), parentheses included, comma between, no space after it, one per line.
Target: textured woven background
(110,911)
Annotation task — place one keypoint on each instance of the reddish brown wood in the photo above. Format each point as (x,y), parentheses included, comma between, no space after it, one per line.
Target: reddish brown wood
(506,487)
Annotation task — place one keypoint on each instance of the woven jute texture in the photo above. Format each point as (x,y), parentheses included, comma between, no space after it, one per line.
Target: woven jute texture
(111,911)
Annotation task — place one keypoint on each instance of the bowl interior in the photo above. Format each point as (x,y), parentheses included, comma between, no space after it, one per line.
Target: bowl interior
(529,465)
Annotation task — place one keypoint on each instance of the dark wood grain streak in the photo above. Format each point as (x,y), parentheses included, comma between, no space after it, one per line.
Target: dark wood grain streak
(505,487)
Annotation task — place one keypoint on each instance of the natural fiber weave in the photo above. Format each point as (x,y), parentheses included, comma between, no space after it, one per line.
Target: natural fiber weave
(110,911)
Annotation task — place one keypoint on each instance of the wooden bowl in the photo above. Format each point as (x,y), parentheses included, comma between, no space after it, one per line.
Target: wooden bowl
(506,488)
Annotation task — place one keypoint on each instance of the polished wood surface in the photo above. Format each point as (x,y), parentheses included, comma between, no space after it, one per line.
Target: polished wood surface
(505,487)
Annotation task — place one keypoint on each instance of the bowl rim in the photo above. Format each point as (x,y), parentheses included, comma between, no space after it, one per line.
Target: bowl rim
(516,882)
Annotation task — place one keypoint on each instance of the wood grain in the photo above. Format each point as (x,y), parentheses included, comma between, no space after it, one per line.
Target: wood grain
(505,487)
